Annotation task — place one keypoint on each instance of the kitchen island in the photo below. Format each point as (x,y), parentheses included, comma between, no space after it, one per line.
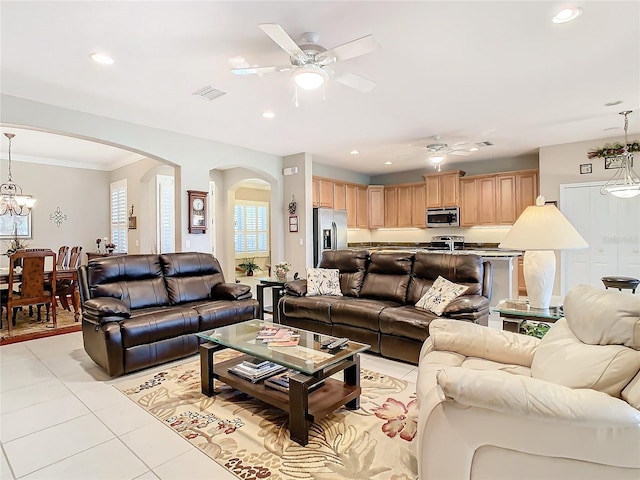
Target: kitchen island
(505,266)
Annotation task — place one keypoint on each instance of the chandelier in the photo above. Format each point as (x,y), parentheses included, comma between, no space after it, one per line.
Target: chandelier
(625,183)
(12,201)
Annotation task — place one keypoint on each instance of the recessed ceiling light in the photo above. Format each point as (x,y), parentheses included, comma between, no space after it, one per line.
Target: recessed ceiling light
(388,162)
(101,58)
(474,149)
(567,14)
(354,152)
(613,104)
(268,114)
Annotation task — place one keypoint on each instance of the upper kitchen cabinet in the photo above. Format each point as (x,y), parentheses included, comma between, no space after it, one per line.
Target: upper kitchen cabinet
(376,206)
(351,201)
(526,189)
(390,207)
(339,196)
(496,199)
(443,189)
(322,192)
(362,215)
(418,205)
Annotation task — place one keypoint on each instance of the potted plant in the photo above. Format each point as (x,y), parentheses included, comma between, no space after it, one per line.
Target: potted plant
(249,265)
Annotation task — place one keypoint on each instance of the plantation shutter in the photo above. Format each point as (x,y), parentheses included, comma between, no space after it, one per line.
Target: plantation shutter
(119,220)
(166,209)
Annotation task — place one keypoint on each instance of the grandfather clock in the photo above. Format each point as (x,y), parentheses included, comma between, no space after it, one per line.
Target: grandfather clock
(197,211)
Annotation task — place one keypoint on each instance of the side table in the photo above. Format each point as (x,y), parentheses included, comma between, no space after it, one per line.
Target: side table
(514,312)
(277,289)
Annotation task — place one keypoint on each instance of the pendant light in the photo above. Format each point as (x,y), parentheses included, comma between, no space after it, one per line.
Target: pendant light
(625,183)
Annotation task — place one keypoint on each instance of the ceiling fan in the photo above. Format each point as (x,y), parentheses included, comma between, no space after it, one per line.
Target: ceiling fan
(310,61)
(438,150)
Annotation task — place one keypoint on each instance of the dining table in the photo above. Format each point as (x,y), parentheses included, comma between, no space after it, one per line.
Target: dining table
(61,274)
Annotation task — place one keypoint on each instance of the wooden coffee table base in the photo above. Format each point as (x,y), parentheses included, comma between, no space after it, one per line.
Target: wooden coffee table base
(303,407)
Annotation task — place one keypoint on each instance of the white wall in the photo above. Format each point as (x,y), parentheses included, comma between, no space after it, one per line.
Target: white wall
(193,157)
(81,194)
(298,246)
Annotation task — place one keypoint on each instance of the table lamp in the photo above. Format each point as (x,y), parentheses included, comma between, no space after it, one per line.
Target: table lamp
(539,231)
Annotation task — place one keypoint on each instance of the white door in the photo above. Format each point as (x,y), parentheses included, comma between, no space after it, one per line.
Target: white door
(611,227)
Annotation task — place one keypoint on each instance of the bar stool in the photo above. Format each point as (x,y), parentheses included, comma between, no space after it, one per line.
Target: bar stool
(626,283)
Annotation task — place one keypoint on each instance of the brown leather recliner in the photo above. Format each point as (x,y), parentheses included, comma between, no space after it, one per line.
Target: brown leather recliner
(143,310)
(380,290)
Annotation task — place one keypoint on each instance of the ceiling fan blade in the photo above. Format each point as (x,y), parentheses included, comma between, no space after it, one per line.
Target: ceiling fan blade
(260,70)
(283,39)
(460,145)
(357,82)
(462,153)
(348,50)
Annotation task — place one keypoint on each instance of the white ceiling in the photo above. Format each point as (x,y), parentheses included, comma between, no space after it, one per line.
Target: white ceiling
(468,71)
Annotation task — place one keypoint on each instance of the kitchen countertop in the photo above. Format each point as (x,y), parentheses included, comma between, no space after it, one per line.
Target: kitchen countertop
(489,252)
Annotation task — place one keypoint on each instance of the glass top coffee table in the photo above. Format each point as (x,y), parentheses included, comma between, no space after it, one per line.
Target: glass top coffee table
(313,364)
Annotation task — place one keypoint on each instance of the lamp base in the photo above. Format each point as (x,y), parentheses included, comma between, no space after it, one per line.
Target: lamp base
(539,274)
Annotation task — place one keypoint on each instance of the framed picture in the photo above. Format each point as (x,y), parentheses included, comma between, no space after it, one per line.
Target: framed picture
(293,223)
(133,223)
(585,168)
(15,226)
(615,162)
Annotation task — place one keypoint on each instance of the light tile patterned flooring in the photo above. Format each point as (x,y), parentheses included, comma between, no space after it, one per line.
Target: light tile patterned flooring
(61,418)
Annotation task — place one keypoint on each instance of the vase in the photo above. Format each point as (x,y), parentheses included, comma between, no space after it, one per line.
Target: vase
(282,277)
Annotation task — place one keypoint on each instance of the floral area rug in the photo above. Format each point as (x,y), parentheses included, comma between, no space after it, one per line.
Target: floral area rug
(28,327)
(251,438)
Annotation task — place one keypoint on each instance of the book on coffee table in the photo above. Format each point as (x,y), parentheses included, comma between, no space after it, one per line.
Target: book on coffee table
(254,375)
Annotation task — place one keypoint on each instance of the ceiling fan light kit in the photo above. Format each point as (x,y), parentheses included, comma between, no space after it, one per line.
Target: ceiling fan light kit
(309,77)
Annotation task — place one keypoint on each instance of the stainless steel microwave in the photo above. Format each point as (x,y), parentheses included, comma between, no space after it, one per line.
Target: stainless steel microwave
(443,217)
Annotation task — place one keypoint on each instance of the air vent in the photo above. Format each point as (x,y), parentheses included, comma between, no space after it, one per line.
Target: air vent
(484,144)
(209,93)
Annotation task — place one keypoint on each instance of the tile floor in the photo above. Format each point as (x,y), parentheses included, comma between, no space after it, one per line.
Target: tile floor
(61,418)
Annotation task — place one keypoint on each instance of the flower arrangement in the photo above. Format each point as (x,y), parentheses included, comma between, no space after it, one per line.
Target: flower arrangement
(281,268)
(614,149)
(16,244)
(110,247)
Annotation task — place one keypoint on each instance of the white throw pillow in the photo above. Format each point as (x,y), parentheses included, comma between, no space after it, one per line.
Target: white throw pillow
(441,294)
(323,281)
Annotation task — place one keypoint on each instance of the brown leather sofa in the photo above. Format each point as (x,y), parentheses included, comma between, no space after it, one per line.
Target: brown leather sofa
(380,290)
(143,310)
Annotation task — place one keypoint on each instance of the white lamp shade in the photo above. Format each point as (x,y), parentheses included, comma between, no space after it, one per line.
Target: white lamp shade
(543,227)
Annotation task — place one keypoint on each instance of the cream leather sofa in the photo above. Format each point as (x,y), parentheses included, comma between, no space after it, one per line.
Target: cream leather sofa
(495,404)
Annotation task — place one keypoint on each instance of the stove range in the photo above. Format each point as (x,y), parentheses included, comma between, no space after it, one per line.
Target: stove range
(447,242)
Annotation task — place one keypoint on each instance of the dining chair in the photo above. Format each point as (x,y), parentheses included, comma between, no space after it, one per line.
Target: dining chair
(32,289)
(63,257)
(65,288)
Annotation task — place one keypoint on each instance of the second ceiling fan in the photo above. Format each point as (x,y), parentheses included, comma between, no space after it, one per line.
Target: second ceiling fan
(310,61)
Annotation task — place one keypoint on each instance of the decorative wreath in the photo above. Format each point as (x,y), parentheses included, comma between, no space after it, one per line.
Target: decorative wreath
(613,150)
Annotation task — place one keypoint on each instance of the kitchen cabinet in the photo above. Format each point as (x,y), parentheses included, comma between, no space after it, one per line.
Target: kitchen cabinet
(390,207)
(339,196)
(404,206)
(526,189)
(351,203)
(418,202)
(522,287)
(315,193)
(325,195)
(505,196)
(496,199)
(375,195)
(443,189)
(478,201)
(362,214)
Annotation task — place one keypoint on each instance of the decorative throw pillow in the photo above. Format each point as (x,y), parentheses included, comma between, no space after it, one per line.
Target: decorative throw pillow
(323,281)
(441,294)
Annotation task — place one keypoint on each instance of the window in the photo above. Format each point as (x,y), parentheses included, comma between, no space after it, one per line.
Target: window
(166,209)
(119,217)
(251,228)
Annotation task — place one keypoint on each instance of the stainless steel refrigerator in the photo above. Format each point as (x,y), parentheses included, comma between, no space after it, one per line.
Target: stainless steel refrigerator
(329,231)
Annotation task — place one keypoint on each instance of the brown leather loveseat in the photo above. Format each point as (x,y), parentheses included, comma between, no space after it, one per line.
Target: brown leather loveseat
(143,310)
(380,290)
